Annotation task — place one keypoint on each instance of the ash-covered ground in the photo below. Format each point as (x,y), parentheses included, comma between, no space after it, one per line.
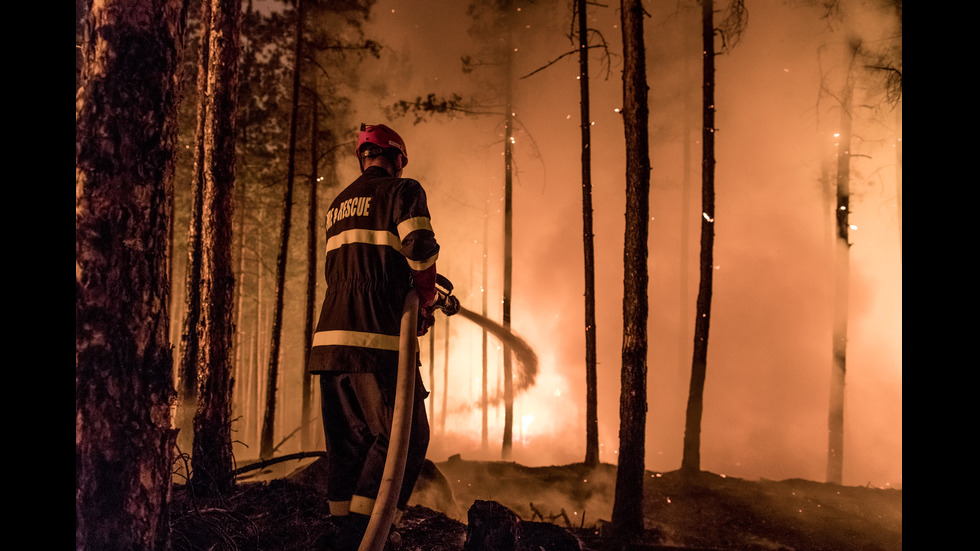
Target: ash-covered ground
(283,508)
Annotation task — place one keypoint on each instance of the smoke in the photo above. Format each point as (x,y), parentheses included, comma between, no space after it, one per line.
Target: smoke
(766,394)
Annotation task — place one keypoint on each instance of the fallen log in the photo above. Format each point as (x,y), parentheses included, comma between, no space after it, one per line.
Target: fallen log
(493,527)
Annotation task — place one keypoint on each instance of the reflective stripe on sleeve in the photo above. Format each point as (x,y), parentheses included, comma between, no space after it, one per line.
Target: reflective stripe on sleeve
(421,265)
(370,237)
(356,338)
(412,224)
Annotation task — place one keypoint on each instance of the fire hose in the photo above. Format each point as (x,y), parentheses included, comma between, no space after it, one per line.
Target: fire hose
(401,425)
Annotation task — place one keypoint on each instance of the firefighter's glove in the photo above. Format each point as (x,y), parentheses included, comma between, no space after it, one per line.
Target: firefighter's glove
(425,285)
(426,319)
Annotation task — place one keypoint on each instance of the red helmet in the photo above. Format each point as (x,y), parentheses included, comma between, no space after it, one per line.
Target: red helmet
(382,136)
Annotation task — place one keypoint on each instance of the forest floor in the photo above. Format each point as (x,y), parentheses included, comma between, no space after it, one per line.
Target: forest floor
(283,508)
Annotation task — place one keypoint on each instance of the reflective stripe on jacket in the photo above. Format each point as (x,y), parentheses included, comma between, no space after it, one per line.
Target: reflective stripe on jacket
(378,232)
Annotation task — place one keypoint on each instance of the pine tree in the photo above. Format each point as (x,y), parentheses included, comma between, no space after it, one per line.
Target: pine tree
(627,516)
(211,461)
(125,142)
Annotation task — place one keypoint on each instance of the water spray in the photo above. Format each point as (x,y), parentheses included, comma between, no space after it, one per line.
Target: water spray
(527,360)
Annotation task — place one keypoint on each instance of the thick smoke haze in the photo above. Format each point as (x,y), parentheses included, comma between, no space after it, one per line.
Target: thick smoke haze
(769,350)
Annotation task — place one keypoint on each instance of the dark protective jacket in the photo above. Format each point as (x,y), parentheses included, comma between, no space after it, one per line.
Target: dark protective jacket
(379,236)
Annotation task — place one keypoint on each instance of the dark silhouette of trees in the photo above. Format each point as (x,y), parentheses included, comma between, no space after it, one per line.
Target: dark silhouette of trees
(627,515)
(125,142)
(211,461)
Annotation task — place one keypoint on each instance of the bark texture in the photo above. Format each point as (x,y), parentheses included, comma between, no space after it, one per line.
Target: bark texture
(124,164)
(212,458)
(189,344)
(627,516)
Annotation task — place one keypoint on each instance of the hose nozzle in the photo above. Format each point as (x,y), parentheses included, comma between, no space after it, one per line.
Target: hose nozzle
(445,301)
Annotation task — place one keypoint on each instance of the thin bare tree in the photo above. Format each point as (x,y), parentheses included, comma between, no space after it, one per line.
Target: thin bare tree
(268,423)
(591,380)
(582,31)
(730,30)
(627,514)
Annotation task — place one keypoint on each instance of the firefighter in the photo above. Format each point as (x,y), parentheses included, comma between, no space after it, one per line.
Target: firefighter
(379,244)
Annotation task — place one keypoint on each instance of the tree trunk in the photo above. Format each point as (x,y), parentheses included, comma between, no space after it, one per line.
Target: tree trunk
(241,360)
(507,447)
(189,345)
(591,384)
(484,405)
(838,369)
(268,423)
(627,515)
(212,458)
(125,129)
(254,422)
(311,275)
(691,460)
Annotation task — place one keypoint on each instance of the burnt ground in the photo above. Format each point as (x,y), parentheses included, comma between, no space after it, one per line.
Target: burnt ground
(283,508)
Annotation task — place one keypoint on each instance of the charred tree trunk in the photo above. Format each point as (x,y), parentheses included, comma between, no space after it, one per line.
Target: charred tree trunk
(125,140)
(627,516)
(838,369)
(189,344)
(268,423)
(691,460)
(212,457)
(591,384)
(311,275)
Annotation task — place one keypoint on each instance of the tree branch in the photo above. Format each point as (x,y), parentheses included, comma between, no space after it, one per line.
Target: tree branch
(272,461)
